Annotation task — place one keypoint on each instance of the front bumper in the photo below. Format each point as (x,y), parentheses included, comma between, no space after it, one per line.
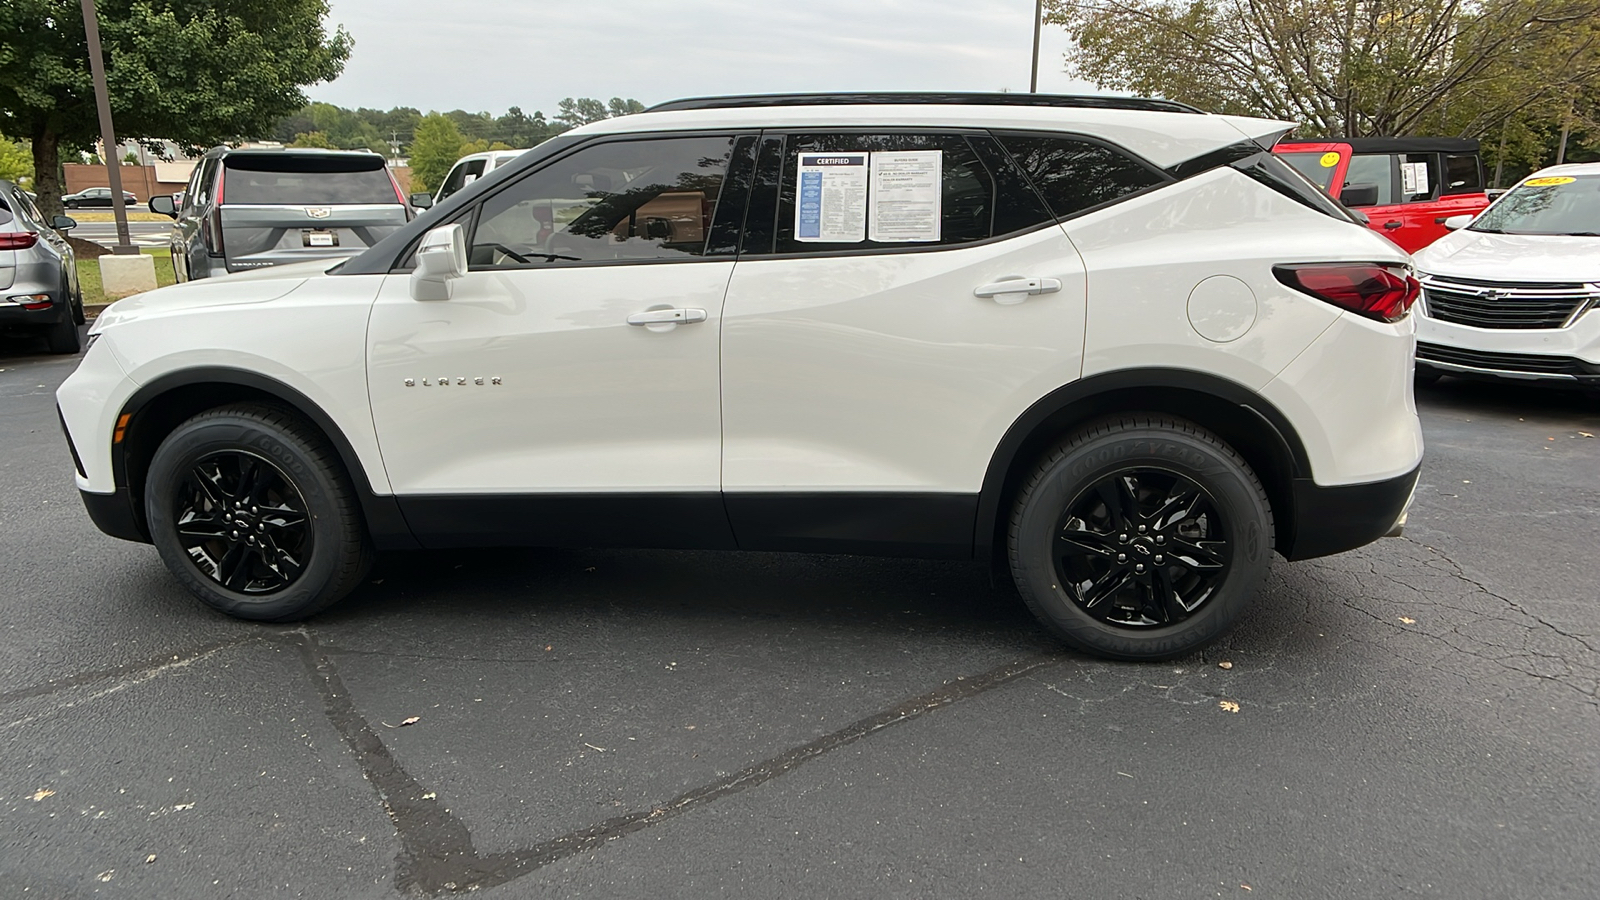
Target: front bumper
(113,514)
(1330,520)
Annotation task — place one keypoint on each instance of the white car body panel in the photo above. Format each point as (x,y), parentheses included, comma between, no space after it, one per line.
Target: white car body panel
(586,402)
(885,372)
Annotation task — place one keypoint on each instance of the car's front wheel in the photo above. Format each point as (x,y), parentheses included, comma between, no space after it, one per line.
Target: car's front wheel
(252,512)
(1140,537)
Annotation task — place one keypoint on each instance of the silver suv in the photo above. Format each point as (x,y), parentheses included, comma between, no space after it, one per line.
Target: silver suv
(249,209)
(38,273)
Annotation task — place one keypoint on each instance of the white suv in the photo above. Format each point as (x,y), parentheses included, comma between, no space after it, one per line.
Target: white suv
(1114,345)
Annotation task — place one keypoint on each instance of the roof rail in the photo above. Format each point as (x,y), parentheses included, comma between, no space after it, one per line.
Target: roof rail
(954,99)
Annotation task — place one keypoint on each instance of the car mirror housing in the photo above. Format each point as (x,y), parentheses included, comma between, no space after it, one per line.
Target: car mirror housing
(63,223)
(1359,194)
(441,259)
(1456,223)
(164,205)
(421,200)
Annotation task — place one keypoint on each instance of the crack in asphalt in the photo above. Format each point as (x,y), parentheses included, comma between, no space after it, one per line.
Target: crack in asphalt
(437,855)
(142,669)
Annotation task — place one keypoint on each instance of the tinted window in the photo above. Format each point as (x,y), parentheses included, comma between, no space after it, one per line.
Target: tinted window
(1462,175)
(622,200)
(1310,165)
(962,211)
(306,180)
(1075,175)
(1373,168)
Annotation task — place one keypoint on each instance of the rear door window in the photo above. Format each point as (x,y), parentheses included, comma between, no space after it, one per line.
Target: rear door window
(309,180)
(1419,177)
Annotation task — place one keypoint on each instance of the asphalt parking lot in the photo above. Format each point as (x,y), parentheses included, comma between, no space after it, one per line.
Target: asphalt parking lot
(1417,718)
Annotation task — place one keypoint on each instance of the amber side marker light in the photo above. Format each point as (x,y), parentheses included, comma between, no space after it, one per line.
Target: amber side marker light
(122,425)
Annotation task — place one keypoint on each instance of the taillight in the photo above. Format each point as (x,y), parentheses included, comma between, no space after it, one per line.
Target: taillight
(211,231)
(17,240)
(1376,291)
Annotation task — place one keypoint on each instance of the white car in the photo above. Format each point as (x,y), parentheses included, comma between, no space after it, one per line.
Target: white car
(1513,294)
(1115,346)
(467,169)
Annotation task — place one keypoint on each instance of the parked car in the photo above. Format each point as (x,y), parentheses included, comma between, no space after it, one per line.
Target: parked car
(38,272)
(249,209)
(467,169)
(1406,187)
(1115,346)
(1515,292)
(95,196)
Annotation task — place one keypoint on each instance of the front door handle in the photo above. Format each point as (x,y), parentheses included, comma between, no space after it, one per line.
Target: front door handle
(1392,225)
(1015,289)
(667,317)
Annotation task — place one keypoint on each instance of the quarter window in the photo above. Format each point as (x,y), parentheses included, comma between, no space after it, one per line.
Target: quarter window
(1076,175)
(621,200)
(1462,175)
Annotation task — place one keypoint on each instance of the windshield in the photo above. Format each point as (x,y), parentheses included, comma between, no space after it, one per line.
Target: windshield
(1552,204)
(1314,165)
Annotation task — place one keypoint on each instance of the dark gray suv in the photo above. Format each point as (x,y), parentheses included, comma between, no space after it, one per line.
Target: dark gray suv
(246,209)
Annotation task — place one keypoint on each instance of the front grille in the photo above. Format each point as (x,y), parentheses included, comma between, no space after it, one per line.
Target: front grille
(1483,304)
(1527,363)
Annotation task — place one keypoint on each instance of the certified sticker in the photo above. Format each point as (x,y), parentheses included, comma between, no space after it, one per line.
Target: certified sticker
(1329,160)
(1549,180)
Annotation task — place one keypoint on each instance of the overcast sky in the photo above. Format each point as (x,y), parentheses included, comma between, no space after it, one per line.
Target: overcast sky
(493,54)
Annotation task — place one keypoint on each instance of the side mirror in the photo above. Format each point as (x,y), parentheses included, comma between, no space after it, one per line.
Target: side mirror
(1494,193)
(164,205)
(421,201)
(441,259)
(1359,194)
(63,223)
(1456,223)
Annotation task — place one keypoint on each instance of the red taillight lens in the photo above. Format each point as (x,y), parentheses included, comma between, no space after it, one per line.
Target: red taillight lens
(17,240)
(1378,292)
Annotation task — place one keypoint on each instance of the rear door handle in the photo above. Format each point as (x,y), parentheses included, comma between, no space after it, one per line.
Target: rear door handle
(1019,286)
(1392,225)
(667,317)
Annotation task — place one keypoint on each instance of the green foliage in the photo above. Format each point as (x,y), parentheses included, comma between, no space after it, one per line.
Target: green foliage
(198,72)
(131,159)
(1349,68)
(16,161)
(436,147)
(315,139)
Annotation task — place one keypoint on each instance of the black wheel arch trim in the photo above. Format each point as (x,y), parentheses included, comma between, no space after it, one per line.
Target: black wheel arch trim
(1089,398)
(385,523)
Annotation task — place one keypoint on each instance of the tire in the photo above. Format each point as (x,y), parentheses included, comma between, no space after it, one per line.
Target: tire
(71,204)
(1127,489)
(302,545)
(1427,377)
(62,337)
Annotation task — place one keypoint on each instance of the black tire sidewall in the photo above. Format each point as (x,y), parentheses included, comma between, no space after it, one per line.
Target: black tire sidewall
(292,457)
(1232,488)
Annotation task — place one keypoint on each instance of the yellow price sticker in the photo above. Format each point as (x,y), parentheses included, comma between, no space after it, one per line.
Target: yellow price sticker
(1329,160)
(1549,180)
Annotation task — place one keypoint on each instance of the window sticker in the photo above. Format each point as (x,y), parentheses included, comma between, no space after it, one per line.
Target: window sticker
(906,194)
(1414,178)
(1549,181)
(832,202)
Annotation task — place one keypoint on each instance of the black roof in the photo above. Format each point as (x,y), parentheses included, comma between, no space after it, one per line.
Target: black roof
(1396,144)
(951,99)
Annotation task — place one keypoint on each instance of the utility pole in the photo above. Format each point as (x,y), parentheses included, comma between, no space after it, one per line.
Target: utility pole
(1038,22)
(108,137)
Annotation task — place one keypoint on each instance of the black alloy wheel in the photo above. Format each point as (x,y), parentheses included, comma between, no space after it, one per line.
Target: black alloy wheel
(253,512)
(1142,548)
(1142,537)
(242,522)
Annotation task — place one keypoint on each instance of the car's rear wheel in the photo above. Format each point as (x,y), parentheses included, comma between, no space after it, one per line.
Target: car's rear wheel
(62,337)
(252,512)
(1141,538)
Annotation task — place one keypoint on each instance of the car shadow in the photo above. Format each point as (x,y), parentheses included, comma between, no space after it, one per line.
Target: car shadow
(1511,398)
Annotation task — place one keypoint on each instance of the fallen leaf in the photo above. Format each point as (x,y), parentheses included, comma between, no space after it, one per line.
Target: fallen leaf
(1584,434)
(1408,620)
(40,794)
(593,747)
(1248,888)
(410,720)
(1224,665)
(430,796)
(1550,439)
(688,727)
(106,875)
(149,859)
(547,648)
(1124,774)
(1229,706)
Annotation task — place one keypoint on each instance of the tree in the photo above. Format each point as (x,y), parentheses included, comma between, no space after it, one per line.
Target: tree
(16,161)
(434,150)
(313,139)
(194,71)
(1346,68)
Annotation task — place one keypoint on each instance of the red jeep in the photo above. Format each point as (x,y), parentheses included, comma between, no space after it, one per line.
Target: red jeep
(1406,187)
